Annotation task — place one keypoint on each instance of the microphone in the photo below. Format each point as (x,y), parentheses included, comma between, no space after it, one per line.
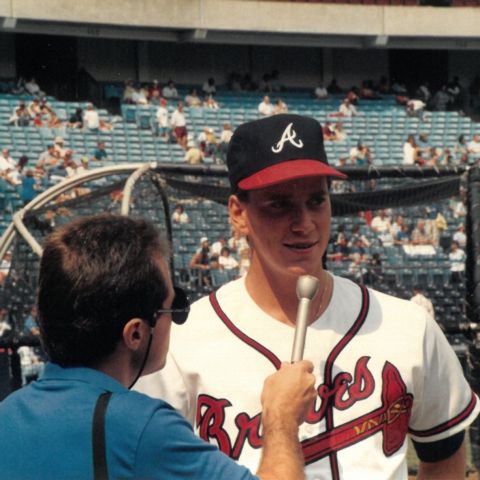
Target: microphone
(307,288)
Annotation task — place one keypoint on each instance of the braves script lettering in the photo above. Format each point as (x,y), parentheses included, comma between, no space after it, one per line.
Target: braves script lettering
(288,135)
(342,394)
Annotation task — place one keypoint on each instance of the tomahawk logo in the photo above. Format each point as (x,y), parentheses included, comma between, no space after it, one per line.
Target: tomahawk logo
(288,135)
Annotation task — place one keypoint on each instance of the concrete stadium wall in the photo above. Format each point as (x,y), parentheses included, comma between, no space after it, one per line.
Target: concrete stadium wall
(251,15)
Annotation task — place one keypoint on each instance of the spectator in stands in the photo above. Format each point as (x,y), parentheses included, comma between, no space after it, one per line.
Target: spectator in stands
(357,268)
(33,88)
(5,265)
(207,141)
(169,91)
(460,237)
(473,148)
(224,141)
(34,107)
(402,237)
(192,99)
(210,102)
(280,107)
(91,118)
(457,205)
(410,151)
(154,93)
(138,96)
(209,88)
(162,119)
(100,152)
(265,108)
(179,125)
(397,225)
(48,158)
(7,163)
(14,177)
(237,242)
(217,246)
(421,235)
(20,116)
(333,87)
(416,108)
(128,92)
(461,150)
(201,261)
(381,225)
(59,147)
(266,83)
(29,188)
(340,134)
(347,109)
(193,155)
(328,131)
(320,92)
(360,155)
(433,157)
(53,121)
(226,260)
(440,100)
(76,119)
(423,142)
(356,236)
(38,121)
(423,92)
(457,259)
(367,91)
(179,215)
(420,299)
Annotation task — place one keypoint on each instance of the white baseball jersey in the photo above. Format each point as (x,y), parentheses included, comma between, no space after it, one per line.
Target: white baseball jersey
(384,370)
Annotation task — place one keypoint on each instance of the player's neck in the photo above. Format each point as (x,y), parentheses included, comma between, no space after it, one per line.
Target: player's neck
(276,295)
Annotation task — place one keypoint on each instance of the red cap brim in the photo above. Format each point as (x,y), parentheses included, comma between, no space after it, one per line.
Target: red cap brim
(289,170)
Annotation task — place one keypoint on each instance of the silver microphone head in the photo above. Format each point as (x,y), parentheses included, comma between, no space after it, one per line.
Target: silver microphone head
(307,287)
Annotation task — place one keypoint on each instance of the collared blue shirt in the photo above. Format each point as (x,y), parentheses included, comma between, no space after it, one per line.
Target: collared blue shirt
(46,433)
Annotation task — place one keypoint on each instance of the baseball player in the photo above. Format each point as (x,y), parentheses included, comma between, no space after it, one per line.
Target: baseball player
(384,369)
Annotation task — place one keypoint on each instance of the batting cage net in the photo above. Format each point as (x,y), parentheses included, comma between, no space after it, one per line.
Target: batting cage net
(393,228)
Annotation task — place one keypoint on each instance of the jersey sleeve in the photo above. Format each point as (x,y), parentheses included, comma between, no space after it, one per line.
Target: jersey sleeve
(170,385)
(443,404)
(168,448)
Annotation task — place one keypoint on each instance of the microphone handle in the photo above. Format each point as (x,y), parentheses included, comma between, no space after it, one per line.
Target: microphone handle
(300,330)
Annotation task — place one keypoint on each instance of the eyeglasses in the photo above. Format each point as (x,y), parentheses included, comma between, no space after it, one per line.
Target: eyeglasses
(180,308)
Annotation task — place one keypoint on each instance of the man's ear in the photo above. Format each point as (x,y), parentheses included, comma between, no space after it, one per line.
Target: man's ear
(134,332)
(237,212)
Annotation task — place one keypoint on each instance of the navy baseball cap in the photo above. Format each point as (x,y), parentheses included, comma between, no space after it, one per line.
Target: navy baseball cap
(277,149)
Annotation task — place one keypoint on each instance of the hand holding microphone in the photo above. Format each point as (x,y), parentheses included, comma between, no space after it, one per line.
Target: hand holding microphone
(307,288)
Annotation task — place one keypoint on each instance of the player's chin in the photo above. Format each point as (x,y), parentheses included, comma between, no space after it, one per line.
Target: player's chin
(309,269)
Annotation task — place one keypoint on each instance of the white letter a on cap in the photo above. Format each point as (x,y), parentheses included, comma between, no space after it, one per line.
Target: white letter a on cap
(288,135)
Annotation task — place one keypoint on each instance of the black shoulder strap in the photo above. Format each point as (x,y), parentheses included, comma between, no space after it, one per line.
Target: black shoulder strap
(100,469)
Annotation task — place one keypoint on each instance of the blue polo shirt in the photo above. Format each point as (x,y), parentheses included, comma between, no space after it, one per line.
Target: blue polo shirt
(46,433)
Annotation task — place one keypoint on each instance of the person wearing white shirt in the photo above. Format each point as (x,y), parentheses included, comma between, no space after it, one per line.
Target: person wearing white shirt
(226,261)
(473,147)
(347,109)
(162,119)
(457,259)
(90,118)
(179,125)
(460,237)
(169,90)
(409,151)
(265,108)
(7,163)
